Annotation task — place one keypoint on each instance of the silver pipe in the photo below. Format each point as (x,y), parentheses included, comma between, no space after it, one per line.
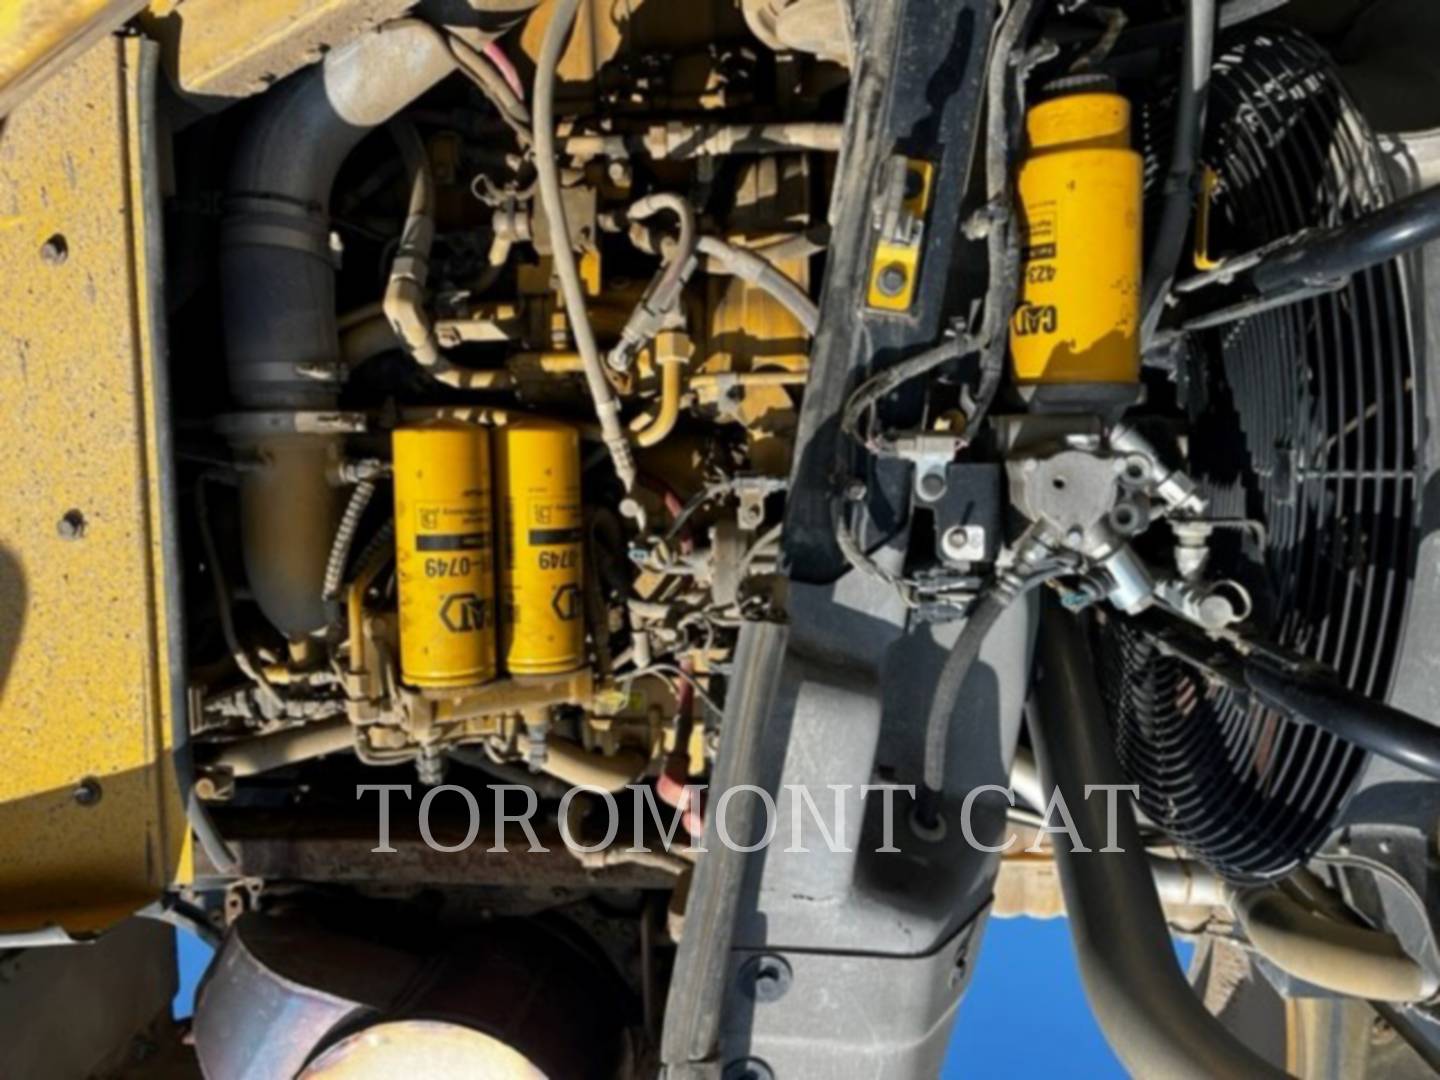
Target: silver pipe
(1346,958)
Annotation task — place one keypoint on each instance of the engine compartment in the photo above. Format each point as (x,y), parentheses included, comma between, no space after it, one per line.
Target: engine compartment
(942,406)
(462,337)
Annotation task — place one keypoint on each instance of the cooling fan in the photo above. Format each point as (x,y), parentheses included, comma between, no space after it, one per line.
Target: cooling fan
(1303,420)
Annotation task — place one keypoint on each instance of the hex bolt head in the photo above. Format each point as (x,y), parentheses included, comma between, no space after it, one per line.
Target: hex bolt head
(891,280)
(71,525)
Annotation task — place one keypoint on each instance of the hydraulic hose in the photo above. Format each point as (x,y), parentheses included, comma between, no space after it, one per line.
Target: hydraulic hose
(1149,1013)
(410,325)
(547,170)
(677,266)
(958,665)
(662,299)
(1335,253)
(759,272)
(1371,725)
(1179,190)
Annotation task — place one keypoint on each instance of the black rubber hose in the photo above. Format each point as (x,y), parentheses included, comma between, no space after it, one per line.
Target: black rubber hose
(1148,1011)
(277,291)
(1170,236)
(1371,725)
(948,688)
(1353,246)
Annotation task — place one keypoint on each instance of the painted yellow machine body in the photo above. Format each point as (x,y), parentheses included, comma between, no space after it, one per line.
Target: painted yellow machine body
(1080,199)
(445,554)
(542,547)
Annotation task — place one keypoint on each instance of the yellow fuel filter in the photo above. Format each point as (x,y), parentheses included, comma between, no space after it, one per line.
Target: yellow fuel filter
(1076,324)
(445,554)
(541,546)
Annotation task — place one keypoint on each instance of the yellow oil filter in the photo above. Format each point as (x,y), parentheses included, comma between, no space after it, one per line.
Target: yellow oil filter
(541,547)
(445,554)
(1078,314)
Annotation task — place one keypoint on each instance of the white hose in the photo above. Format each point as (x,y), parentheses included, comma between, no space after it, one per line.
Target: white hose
(612,431)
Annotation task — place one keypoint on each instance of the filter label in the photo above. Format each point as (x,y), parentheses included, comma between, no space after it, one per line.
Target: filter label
(464,613)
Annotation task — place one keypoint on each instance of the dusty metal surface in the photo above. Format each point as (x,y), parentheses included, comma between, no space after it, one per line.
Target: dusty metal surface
(90,1010)
(38,37)
(224,49)
(91,824)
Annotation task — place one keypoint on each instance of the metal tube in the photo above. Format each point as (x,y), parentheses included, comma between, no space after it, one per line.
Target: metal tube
(654,430)
(1348,959)
(1141,1000)
(261,753)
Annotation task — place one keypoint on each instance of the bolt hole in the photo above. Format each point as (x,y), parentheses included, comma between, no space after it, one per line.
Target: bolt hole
(55,250)
(71,525)
(1059,483)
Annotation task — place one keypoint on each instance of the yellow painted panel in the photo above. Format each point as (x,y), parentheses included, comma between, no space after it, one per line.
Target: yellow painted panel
(37,37)
(90,817)
(230,48)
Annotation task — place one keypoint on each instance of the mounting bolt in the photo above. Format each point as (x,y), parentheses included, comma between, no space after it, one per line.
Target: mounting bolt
(87,792)
(963,543)
(71,525)
(891,280)
(766,978)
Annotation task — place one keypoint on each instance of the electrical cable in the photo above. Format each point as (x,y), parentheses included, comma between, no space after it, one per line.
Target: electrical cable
(1179,191)
(345,537)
